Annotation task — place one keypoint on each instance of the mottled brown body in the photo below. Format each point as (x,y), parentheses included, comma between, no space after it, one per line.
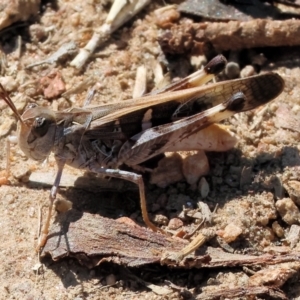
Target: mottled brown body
(101,139)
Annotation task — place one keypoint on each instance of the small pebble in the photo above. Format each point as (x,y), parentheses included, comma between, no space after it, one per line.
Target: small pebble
(62,205)
(293,189)
(127,221)
(194,166)
(37,267)
(4,180)
(278,230)
(203,188)
(248,71)
(166,16)
(232,70)
(31,211)
(175,223)
(230,233)
(160,219)
(110,279)
(288,211)
(75,19)
(53,85)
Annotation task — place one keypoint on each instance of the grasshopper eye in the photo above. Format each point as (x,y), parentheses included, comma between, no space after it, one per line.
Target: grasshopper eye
(40,126)
(38,122)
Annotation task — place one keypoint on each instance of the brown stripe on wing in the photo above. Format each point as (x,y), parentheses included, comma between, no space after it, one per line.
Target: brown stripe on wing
(173,106)
(159,139)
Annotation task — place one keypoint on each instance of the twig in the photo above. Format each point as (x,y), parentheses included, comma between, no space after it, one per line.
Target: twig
(234,35)
(65,50)
(120,12)
(205,235)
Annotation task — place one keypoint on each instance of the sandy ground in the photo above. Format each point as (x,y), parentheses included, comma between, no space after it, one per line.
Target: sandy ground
(246,182)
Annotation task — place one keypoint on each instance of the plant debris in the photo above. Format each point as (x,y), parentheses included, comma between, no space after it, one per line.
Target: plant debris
(235,36)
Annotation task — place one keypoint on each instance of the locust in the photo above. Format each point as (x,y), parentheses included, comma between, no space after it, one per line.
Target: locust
(116,139)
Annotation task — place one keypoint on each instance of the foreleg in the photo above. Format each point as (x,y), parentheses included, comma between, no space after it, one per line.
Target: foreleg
(52,197)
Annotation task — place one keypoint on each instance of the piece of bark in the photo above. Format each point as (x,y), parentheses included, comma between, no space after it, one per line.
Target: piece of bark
(93,239)
(220,258)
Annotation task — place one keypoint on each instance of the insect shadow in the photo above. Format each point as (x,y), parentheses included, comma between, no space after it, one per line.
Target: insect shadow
(261,166)
(227,179)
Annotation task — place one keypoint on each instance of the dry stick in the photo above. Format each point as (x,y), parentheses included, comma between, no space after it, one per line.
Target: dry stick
(175,258)
(120,12)
(236,35)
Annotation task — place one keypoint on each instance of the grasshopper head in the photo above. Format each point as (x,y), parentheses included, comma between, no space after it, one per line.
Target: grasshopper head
(36,129)
(37,132)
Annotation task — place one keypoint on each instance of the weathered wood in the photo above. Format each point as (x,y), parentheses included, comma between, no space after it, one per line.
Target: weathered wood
(93,239)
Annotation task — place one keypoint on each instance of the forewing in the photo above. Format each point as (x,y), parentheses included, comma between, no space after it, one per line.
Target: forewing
(129,116)
(234,96)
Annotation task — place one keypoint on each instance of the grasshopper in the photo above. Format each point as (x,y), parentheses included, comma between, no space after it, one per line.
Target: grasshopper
(104,138)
